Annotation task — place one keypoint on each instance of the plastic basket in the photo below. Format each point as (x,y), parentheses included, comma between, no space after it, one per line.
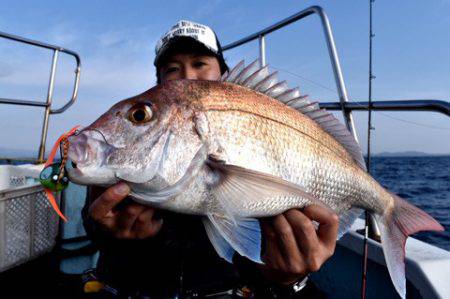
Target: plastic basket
(28,224)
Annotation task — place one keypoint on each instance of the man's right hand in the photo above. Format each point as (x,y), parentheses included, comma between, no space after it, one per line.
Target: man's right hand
(130,221)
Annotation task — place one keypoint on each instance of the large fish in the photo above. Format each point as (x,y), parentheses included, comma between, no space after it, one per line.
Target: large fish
(237,150)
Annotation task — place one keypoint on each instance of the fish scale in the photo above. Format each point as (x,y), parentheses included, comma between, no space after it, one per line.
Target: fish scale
(271,147)
(260,105)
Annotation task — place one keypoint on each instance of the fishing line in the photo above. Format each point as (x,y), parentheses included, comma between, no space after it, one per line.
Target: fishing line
(98,131)
(378,112)
(404,120)
(306,79)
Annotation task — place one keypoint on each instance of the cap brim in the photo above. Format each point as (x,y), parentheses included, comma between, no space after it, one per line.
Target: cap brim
(177,41)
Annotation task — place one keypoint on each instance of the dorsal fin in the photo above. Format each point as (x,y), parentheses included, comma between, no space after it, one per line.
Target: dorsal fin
(260,79)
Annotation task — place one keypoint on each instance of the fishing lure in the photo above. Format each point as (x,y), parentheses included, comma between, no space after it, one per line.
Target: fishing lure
(53,177)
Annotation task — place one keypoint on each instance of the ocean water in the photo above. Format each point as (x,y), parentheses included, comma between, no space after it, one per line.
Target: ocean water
(423,181)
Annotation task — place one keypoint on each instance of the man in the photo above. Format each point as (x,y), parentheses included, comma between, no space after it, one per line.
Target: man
(166,254)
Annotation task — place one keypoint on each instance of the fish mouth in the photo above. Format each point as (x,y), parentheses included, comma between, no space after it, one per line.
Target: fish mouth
(90,156)
(72,172)
(86,158)
(80,152)
(88,147)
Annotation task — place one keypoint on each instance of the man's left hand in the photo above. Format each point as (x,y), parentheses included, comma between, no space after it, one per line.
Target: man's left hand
(293,245)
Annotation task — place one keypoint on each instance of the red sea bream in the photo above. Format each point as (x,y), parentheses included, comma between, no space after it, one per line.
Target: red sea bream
(237,150)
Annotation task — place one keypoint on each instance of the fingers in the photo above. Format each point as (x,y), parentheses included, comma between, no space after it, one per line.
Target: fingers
(136,221)
(122,219)
(304,231)
(328,224)
(128,215)
(287,243)
(101,209)
(294,246)
(146,225)
(282,252)
(272,256)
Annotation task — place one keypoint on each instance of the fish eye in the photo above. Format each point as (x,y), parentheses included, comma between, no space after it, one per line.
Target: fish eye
(140,114)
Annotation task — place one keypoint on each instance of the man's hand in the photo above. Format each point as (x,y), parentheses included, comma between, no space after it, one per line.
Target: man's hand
(294,247)
(130,221)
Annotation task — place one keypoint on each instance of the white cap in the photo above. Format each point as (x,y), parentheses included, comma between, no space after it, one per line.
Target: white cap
(201,33)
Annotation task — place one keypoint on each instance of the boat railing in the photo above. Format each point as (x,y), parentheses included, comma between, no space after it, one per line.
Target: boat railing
(47,104)
(343,104)
(331,45)
(397,105)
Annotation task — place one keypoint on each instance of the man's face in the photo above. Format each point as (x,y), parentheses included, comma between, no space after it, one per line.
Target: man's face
(190,66)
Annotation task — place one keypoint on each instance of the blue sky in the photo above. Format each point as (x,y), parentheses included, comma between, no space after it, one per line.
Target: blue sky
(116,40)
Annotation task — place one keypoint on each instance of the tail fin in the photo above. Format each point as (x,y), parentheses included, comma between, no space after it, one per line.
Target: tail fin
(404,220)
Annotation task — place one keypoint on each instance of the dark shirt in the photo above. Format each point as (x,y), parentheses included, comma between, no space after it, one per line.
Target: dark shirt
(179,259)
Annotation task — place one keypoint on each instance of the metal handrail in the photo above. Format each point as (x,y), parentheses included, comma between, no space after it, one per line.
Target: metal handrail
(398,105)
(344,105)
(335,64)
(47,104)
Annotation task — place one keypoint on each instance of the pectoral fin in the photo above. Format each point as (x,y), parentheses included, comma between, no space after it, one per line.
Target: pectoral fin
(222,247)
(346,220)
(237,186)
(242,235)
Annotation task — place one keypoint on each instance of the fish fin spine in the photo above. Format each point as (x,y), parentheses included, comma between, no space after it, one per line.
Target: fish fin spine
(262,80)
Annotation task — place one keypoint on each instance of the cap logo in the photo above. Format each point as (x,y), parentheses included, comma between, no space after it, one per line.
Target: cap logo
(201,33)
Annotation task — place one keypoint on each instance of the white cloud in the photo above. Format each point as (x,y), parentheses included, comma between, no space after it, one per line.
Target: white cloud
(120,60)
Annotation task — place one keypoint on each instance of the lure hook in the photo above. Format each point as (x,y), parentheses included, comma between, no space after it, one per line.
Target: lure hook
(52,176)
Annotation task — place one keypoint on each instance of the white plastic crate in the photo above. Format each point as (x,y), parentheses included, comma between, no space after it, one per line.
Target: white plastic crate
(15,176)
(28,224)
